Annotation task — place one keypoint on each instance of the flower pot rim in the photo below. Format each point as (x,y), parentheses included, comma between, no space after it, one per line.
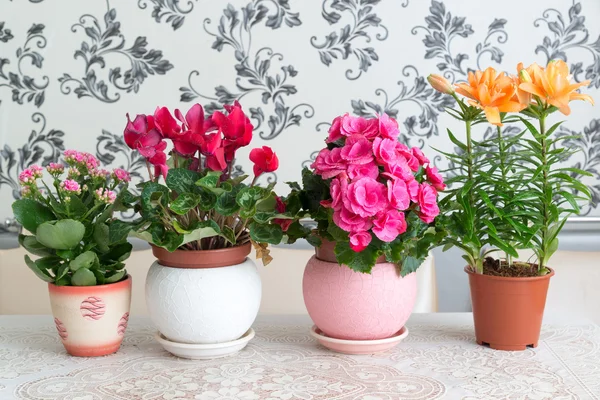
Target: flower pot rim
(512,278)
(82,289)
(196,259)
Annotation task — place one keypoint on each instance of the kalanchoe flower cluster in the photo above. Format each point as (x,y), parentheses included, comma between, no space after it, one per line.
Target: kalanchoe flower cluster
(98,173)
(208,141)
(375,180)
(79,159)
(120,175)
(70,186)
(55,169)
(106,196)
(30,174)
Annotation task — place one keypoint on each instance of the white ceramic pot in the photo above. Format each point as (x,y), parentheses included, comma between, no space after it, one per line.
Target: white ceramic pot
(200,304)
(91,320)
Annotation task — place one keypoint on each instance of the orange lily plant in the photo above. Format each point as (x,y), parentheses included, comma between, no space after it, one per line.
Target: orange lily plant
(511,193)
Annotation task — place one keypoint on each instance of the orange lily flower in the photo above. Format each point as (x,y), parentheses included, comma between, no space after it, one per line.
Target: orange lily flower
(492,93)
(552,85)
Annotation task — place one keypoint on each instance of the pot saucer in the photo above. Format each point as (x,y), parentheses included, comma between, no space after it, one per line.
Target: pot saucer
(358,346)
(205,351)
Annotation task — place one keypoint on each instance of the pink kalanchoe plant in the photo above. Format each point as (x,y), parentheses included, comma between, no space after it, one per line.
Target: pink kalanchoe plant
(372,195)
(70,221)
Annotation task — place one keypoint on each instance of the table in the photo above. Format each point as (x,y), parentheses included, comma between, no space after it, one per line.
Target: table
(439,359)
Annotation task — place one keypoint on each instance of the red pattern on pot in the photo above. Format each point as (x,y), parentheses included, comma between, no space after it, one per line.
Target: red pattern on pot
(60,327)
(123,324)
(92,308)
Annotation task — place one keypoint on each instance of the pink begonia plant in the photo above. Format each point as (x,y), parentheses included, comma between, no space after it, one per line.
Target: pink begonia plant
(376,188)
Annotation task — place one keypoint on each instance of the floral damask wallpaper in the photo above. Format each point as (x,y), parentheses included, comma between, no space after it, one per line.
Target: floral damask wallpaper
(70,72)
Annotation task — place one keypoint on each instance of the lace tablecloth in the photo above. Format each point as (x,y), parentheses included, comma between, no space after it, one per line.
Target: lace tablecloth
(439,359)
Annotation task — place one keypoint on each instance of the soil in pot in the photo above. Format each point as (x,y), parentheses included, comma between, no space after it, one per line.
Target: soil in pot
(496,267)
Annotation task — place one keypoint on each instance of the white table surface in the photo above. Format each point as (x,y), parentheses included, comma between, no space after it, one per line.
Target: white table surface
(438,360)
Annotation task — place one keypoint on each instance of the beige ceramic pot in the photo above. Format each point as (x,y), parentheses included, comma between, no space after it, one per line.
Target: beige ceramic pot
(91,320)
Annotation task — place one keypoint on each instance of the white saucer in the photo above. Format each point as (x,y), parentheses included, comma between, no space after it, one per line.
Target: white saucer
(358,346)
(205,351)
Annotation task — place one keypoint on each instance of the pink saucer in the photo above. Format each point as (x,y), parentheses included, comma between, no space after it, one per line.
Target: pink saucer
(359,346)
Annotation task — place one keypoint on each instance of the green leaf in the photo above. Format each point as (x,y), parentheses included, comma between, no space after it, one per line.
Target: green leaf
(42,274)
(237,180)
(410,264)
(62,272)
(314,240)
(83,277)
(184,203)
(51,262)
(118,231)
(201,230)
(66,254)
(152,194)
(63,235)
(119,252)
(31,214)
(101,237)
(210,181)
(207,200)
(294,186)
(31,244)
(226,204)
(248,197)
(457,142)
(182,180)
(116,277)
(76,208)
(228,234)
(361,262)
(266,233)
(87,259)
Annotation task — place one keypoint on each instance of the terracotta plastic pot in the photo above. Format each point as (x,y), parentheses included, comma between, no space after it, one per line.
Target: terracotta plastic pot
(91,320)
(203,297)
(508,312)
(345,304)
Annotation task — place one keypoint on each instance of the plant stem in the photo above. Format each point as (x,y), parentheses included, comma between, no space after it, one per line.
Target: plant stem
(475,256)
(545,206)
(503,171)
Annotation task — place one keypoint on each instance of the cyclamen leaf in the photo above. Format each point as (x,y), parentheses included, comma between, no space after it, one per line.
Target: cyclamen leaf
(266,233)
(182,180)
(184,203)
(202,230)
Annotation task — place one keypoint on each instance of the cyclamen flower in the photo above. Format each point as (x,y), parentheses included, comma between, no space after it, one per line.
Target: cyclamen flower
(70,185)
(283,222)
(29,175)
(120,175)
(264,159)
(55,169)
(105,195)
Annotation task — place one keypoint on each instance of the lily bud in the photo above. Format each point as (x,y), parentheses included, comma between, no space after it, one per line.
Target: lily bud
(524,76)
(440,84)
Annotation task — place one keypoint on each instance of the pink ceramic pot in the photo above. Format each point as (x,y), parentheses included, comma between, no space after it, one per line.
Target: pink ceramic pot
(349,305)
(91,320)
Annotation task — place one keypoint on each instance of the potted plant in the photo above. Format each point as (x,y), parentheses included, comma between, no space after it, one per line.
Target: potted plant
(70,222)
(511,193)
(374,201)
(201,221)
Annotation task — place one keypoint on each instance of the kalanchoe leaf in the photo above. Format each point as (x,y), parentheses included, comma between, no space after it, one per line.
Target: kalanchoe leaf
(87,259)
(76,208)
(51,262)
(83,277)
(31,244)
(62,272)
(40,273)
(266,233)
(182,180)
(62,235)
(31,214)
(66,254)
(101,237)
(184,203)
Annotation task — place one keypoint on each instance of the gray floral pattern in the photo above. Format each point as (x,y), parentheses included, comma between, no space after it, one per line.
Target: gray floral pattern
(254,70)
(293,66)
(343,44)
(25,88)
(169,11)
(105,41)
(569,34)
(41,148)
